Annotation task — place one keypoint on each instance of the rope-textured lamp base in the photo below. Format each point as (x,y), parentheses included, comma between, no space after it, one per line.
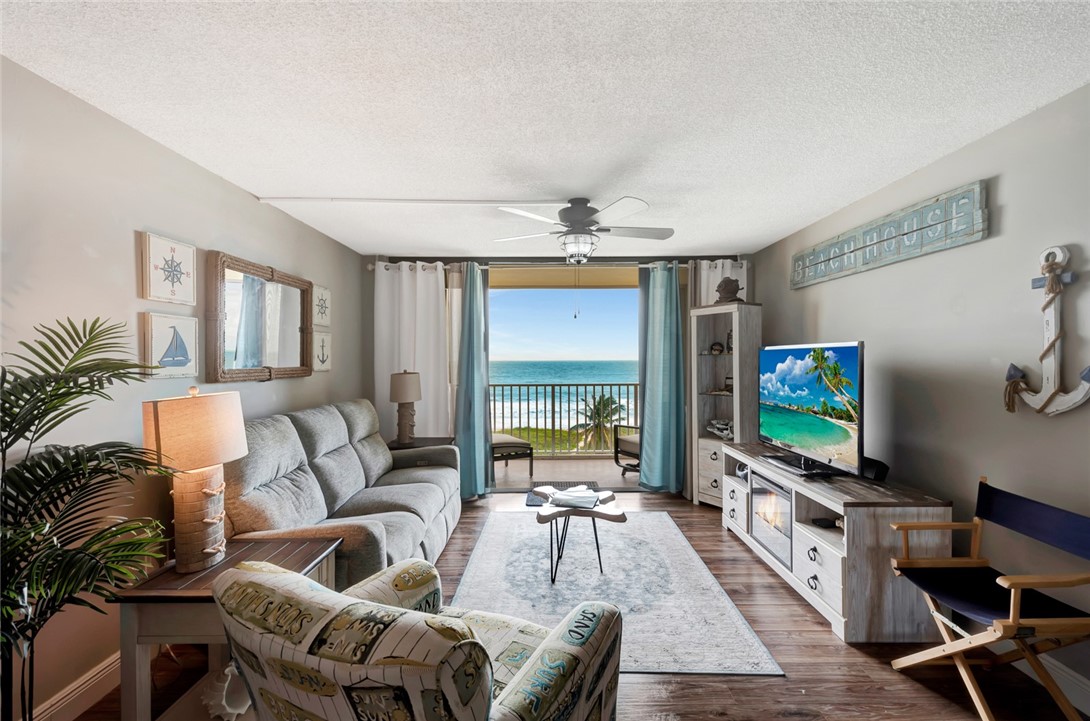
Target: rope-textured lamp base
(198,519)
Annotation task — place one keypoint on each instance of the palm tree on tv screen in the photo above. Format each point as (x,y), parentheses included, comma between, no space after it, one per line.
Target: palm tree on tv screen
(831,375)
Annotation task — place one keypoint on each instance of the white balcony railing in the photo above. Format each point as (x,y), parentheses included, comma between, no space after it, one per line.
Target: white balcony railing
(545,413)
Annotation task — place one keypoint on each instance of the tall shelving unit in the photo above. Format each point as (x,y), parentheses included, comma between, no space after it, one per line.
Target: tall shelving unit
(723,387)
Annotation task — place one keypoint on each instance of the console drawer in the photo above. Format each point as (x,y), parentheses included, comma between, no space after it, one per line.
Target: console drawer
(710,458)
(709,485)
(822,580)
(735,508)
(819,555)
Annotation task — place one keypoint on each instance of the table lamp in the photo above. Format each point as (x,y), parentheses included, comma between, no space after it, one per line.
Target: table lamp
(196,435)
(404,391)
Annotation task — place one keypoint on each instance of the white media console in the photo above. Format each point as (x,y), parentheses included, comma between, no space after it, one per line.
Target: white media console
(844,571)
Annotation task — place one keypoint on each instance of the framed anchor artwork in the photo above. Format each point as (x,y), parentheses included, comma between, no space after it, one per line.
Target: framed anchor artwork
(170,342)
(169,270)
(323,351)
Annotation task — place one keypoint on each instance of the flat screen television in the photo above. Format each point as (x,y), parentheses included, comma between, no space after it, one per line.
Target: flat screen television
(811,403)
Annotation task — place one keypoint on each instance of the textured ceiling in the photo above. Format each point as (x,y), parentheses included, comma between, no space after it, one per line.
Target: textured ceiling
(738,122)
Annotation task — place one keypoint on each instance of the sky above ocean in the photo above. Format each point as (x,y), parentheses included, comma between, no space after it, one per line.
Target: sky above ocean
(535,324)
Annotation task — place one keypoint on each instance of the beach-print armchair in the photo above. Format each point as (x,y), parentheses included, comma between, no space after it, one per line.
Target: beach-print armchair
(385,648)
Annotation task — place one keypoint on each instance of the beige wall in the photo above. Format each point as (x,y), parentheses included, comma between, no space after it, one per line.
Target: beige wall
(77,185)
(940,330)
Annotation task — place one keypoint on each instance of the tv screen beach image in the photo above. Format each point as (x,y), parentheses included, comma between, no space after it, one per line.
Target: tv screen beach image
(810,400)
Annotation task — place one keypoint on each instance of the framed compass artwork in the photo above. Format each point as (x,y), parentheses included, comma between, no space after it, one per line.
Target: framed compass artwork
(323,351)
(170,342)
(323,306)
(170,270)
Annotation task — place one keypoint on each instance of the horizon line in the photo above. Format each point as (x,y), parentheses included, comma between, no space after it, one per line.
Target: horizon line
(562,360)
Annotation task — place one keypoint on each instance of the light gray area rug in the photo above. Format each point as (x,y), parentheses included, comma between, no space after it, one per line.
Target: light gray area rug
(677,618)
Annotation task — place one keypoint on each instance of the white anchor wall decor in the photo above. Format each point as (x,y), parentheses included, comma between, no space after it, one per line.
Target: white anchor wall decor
(1050,400)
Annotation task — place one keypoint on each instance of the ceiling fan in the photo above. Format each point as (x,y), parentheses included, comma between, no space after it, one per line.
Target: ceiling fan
(582,224)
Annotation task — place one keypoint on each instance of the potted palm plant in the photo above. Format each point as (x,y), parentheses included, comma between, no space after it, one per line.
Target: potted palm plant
(61,543)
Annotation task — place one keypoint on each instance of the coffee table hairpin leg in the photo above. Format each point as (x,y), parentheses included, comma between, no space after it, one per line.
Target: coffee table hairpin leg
(561,536)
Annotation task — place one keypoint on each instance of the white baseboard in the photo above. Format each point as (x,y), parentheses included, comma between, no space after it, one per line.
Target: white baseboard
(82,693)
(1074,686)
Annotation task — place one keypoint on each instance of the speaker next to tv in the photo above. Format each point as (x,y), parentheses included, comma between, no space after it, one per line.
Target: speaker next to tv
(874,469)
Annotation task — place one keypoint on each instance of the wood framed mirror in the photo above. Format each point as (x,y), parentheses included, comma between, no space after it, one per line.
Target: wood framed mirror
(259,322)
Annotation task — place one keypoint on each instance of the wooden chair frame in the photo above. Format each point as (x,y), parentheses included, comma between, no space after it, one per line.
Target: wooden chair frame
(1050,633)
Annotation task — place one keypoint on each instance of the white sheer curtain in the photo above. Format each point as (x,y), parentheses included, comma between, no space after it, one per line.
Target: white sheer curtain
(708,273)
(455,284)
(411,334)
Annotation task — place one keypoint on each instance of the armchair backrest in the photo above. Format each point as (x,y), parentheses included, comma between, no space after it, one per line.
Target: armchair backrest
(306,652)
(1057,527)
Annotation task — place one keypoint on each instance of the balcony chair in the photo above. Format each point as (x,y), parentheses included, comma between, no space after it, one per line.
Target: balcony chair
(627,446)
(508,448)
(385,648)
(1032,621)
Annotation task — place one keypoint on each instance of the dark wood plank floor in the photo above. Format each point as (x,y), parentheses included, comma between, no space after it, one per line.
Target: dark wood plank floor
(826,679)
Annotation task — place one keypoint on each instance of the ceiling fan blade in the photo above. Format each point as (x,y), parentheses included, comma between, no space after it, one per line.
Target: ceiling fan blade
(618,209)
(528,214)
(651,233)
(524,237)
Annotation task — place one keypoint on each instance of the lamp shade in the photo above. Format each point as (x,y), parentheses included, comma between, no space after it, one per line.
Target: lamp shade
(195,431)
(404,387)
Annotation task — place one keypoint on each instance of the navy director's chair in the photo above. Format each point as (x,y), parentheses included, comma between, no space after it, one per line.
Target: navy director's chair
(1012,607)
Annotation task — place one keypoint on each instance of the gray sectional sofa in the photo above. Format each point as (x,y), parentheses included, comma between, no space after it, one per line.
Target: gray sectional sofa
(326,473)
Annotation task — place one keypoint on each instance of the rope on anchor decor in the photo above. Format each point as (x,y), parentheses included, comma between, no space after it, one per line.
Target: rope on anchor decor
(1051,399)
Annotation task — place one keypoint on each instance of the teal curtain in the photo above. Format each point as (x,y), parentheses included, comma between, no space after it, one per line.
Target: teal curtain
(662,381)
(471,432)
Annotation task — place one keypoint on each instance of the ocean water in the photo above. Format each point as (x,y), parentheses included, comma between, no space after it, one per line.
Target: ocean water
(549,394)
(803,430)
(559,372)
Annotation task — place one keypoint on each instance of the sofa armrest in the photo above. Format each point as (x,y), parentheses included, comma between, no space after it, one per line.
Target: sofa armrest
(362,551)
(429,456)
(412,584)
(580,656)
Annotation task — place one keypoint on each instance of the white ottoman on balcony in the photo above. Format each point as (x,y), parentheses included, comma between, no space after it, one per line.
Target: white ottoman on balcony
(506,448)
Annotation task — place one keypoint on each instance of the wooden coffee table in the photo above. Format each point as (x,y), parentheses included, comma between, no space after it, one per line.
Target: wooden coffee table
(606,509)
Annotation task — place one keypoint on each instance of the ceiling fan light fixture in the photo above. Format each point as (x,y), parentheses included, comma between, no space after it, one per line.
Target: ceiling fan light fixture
(578,246)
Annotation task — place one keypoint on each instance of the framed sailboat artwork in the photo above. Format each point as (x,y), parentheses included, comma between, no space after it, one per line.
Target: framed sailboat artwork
(170,342)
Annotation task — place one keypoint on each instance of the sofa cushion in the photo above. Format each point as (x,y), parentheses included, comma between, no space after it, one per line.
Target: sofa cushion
(272,486)
(630,443)
(404,533)
(446,478)
(335,464)
(424,500)
(362,423)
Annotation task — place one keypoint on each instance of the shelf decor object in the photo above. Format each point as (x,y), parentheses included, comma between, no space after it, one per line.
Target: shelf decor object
(195,435)
(954,218)
(1050,399)
(169,270)
(405,391)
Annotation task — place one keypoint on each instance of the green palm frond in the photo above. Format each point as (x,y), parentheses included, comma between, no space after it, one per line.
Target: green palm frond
(61,542)
(59,374)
